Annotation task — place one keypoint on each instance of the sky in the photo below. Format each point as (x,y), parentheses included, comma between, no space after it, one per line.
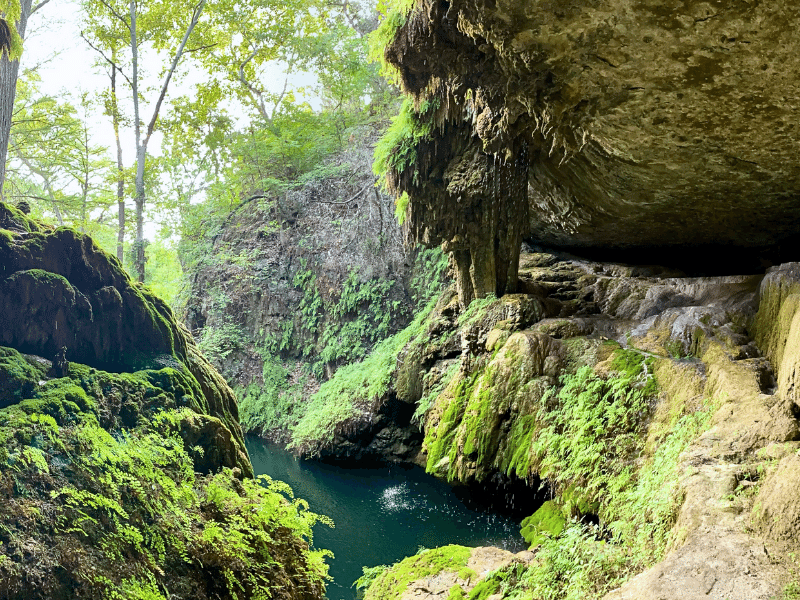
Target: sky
(65,62)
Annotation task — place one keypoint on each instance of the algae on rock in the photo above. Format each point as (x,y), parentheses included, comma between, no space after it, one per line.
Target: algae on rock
(640,398)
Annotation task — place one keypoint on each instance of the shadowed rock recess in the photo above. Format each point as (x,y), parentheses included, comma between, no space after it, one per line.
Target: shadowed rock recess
(660,130)
(123,472)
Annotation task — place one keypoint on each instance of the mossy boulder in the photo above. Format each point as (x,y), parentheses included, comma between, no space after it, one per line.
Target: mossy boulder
(120,482)
(546,523)
(450,573)
(123,472)
(483,419)
(393,582)
(59,289)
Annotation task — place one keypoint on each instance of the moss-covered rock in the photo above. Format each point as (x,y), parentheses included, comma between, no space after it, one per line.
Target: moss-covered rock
(547,522)
(114,479)
(394,581)
(642,401)
(123,472)
(59,289)
(450,572)
(480,424)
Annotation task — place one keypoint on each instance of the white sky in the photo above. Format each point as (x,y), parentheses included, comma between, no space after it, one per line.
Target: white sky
(65,61)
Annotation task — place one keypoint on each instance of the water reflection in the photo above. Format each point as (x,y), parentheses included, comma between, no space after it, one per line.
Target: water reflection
(381,514)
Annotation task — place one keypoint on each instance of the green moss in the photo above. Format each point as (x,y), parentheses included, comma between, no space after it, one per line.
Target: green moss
(396,151)
(394,581)
(20,376)
(546,523)
(519,461)
(353,389)
(101,455)
(776,328)
(43,277)
(11,216)
(484,589)
(487,419)
(504,417)
(456,593)
(395,15)
(439,439)
(575,503)
(63,400)
(573,566)
(442,381)
(635,367)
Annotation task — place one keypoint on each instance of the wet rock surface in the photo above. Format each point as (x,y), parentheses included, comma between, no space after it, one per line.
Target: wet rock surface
(723,345)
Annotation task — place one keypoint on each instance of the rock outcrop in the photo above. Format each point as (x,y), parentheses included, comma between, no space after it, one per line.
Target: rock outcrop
(60,290)
(292,286)
(646,404)
(123,472)
(660,130)
(277,262)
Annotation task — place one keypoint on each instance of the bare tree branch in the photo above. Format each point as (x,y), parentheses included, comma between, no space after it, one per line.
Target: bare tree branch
(40,5)
(113,11)
(257,94)
(198,9)
(105,58)
(45,180)
(199,48)
(349,200)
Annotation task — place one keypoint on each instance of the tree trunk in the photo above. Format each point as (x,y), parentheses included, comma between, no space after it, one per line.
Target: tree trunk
(9,70)
(120,166)
(141,142)
(139,261)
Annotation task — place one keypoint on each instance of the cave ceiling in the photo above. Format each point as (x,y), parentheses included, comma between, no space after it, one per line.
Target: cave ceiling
(648,123)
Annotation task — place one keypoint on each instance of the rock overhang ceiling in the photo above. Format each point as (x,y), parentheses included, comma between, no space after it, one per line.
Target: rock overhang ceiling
(646,124)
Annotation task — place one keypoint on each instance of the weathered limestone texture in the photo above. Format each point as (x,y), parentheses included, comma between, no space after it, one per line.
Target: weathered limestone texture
(642,125)
(702,371)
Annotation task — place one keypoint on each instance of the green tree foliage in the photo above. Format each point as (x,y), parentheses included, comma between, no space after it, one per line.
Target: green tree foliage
(10,40)
(164,28)
(54,165)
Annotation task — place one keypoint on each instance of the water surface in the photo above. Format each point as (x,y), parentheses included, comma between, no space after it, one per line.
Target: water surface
(381,514)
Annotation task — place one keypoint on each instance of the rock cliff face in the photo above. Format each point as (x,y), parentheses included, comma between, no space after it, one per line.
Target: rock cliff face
(123,471)
(658,410)
(659,127)
(292,286)
(277,263)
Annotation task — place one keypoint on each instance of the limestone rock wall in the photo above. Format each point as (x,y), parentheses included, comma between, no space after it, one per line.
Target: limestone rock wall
(276,262)
(658,128)
(680,394)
